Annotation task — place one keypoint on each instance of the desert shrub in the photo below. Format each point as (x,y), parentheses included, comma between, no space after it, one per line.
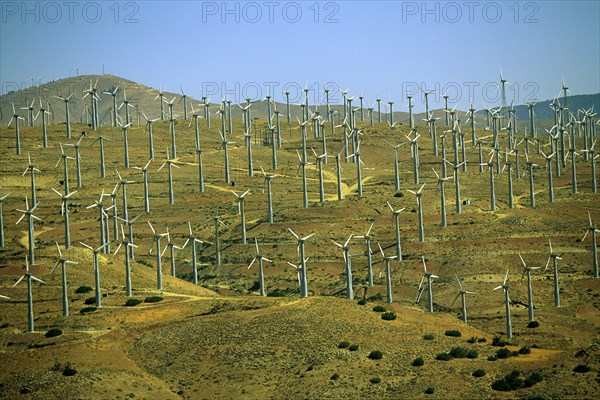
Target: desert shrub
(362,302)
(52,332)
(429,336)
(524,350)
(375,380)
(353,347)
(83,289)
(379,309)
(532,379)
(375,297)
(481,340)
(388,316)
(132,302)
(418,362)
(153,299)
(90,300)
(87,310)
(472,354)
(473,339)
(452,333)
(514,381)
(533,324)
(444,357)
(503,353)
(375,355)
(497,341)
(581,369)
(478,373)
(276,293)
(69,371)
(343,344)
(429,390)
(463,352)
(492,358)
(334,377)
(398,194)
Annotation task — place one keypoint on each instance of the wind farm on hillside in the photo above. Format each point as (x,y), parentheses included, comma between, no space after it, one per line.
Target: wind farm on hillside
(191,248)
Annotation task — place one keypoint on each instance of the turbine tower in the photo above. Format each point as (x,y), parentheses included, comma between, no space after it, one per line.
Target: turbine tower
(127,242)
(30,277)
(463,299)
(241,200)
(169,163)
(260,259)
(67,100)
(593,230)
(440,187)
(367,237)
(30,217)
(64,210)
(429,276)
(388,273)
(96,271)
(63,267)
(527,271)
(348,266)
(419,193)
(396,221)
(554,257)
(302,267)
(506,288)
(1,220)
(16,118)
(156,244)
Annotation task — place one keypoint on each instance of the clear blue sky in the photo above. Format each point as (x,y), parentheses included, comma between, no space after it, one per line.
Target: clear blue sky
(243,48)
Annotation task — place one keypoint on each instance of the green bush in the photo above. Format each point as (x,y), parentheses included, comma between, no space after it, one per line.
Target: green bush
(524,350)
(153,299)
(334,377)
(375,355)
(452,333)
(514,381)
(497,341)
(533,324)
(90,300)
(375,380)
(478,373)
(444,357)
(87,310)
(418,362)
(429,390)
(276,293)
(52,332)
(132,302)
(343,345)
(581,369)
(481,340)
(492,358)
(379,309)
(69,371)
(353,347)
(503,353)
(362,302)
(472,340)
(388,316)
(429,336)
(398,194)
(83,289)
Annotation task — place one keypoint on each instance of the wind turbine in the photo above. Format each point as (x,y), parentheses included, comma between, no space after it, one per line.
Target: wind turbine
(103,229)
(426,93)
(77,159)
(65,213)
(224,144)
(367,237)
(503,82)
(554,257)
(348,265)
(440,187)
(593,230)
(1,220)
(527,271)
(388,273)
(260,259)
(490,165)
(506,288)
(216,221)
(162,108)
(456,167)
(29,107)
(96,271)
(302,267)
(340,193)
(171,246)
(241,199)
(592,159)
(429,276)
(156,243)
(44,112)
(67,100)
(184,98)
(149,123)
(144,170)
(419,193)
(92,92)
(30,277)
(396,219)
(32,169)
(463,298)
(530,166)
(192,240)
(123,184)
(28,212)
(101,140)
(63,266)
(125,143)
(113,92)
(320,159)
(396,169)
(269,196)
(169,163)
(549,168)
(16,118)
(127,242)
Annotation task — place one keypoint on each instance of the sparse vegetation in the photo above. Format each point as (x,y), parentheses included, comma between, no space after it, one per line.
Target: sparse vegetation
(334,377)
(375,355)
(418,362)
(506,353)
(153,299)
(83,289)
(463,352)
(375,380)
(478,373)
(452,333)
(353,347)
(53,332)
(429,390)
(388,316)
(524,350)
(379,309)
(362,302)
(398,194)
(87,310)
(343,345)
(444,357)
(90,300)
(429,336)
(514,381)
(69,371)
(582,369)
(497,341)
(533,324)
(132,302)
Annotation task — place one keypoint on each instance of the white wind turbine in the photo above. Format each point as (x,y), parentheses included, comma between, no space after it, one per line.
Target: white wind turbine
(162,107)
(104,240)
(429,276)
(171,246)
(63,266)
(32,169)
(44,112)
(388,273)
(396,220)
(348,266)
(64,210)
(184,99)
(216,220)
(396,169)
(127,243)
(1,219)
(125,143)
(367,237)
(64,158)
(77,159)
(593,230)
(302,268)
(241,200)
(192,240)
(156,244)
(549,168)
(144,170)
(16,118)
(30,217)
(260,259)
(320,160)
(113,92)
(463,299)
(440,187)
(101,140)
(29,276)
(268,179)
(224,144)
(96,271)
(506,288)
(169,163)
(29,108)
(67,100)
(490,165)
(149,123)
(554,257)
(419,194)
